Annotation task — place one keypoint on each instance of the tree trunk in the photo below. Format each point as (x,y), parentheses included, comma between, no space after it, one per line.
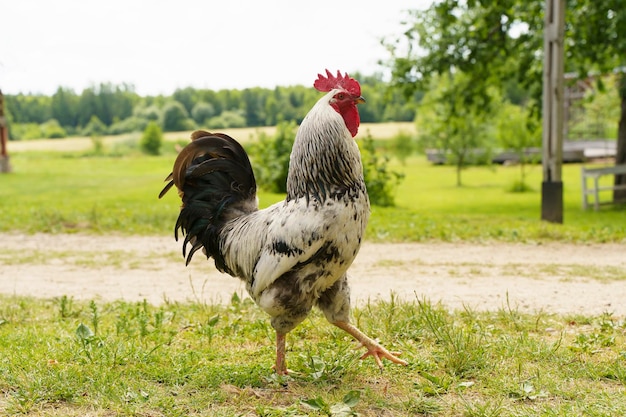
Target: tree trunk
(459,166)
(619,196)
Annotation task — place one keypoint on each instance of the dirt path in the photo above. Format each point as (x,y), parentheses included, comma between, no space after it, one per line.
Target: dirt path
(559,278)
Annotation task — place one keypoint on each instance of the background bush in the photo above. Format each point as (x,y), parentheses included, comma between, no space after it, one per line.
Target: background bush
(152,139)
(380,180)
(270,157)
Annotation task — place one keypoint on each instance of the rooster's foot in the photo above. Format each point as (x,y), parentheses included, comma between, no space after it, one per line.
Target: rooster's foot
(373,348)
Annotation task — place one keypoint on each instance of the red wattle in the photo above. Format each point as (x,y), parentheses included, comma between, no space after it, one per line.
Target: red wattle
(352,119)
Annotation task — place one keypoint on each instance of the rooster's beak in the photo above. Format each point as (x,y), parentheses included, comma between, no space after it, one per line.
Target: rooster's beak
(360,100)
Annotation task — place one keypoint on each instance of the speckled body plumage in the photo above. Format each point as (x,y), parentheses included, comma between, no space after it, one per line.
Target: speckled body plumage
(295,254)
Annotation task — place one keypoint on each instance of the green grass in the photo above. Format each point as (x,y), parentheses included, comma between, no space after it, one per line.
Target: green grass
(69,192)
(431,207)
(62,357)
(50,192)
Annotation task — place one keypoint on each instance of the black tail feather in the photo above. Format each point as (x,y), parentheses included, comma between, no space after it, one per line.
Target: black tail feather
(216,182)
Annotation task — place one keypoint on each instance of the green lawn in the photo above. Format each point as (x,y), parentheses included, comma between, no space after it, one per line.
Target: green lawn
(67,192)
(431,206)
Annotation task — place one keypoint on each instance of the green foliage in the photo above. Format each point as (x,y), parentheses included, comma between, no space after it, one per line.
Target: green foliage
(97,144)
(380,180)
(227,119)
(150,112)
(25,131)
(27,108)
(65,106)
(516,130)
(384,104)
(152,139)
(590,24)
(595,116)
(122,110)
(95,127)
(201,112)
(340,409)
(175,118)
(106,101)
(142,115)
(130,124)
(506,43)
(498,49)
(459,130)
(53,130)
(403,145)
(270,157)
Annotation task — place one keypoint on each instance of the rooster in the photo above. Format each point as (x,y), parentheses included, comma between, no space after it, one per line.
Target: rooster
(294,254)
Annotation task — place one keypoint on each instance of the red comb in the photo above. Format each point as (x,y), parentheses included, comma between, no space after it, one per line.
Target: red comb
(330,82)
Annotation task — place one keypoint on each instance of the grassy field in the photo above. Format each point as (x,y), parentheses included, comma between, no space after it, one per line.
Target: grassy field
(61,357)
(431,206)
(66,358)
(77,191)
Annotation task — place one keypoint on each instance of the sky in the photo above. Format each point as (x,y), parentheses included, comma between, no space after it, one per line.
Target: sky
(158,46)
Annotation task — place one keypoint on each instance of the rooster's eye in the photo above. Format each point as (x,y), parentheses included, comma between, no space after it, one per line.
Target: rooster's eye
(340,96)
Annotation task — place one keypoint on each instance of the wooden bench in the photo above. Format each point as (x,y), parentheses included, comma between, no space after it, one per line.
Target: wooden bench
(595,174)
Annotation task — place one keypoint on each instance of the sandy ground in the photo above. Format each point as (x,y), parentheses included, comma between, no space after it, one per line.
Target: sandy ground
(554,278)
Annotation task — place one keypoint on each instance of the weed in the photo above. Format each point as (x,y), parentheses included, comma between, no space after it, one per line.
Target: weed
(330,366)
(434,385)
(66,307)
(527,392)
(344,408)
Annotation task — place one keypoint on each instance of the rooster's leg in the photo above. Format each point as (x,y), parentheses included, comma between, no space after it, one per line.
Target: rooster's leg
(281,366)
(373,348)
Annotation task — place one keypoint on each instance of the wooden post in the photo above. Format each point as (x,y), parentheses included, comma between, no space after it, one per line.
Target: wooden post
(4,138)
(553,93)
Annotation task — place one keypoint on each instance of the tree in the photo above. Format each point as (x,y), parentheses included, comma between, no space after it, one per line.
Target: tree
(597,29)
(88,106)
(186,97)
(152,139)
(202,111)
(457,129)
(27,108)
(495,41)
(516,131)
(64,107)
(595,115)
(253,106)
(175,117)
